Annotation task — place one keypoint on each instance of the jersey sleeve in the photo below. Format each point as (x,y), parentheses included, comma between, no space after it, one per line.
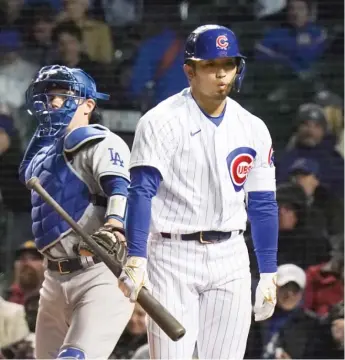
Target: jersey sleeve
(262,175)
(110,157)
(153,145)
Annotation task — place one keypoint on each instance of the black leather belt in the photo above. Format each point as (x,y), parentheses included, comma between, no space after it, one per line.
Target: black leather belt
(68,266)
(206,237)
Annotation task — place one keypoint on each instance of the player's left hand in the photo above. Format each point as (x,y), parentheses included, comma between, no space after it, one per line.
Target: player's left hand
(133,277)
(110,239)
(265,296)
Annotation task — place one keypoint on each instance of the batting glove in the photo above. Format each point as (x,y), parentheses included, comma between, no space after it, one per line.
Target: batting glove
(133,277)
(265,296)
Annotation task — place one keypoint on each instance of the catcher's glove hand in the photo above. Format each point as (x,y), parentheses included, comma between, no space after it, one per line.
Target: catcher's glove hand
(111,239)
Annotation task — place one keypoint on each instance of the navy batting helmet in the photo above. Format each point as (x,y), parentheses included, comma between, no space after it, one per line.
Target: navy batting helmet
(210,42)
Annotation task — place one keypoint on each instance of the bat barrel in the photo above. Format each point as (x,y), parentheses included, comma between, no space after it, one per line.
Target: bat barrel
(160,315)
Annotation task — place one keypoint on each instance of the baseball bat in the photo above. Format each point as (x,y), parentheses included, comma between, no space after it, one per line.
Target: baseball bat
(153,308)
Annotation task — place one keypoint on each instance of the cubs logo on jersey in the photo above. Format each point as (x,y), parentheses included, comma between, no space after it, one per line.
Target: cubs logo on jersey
(271,157)
(240,161)
(222,42)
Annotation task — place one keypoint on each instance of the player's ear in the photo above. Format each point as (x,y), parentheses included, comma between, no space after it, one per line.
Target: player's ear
(89,105)
(189,71)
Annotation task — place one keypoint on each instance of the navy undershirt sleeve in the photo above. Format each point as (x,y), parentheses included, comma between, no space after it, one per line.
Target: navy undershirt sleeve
(263,216)
(144,185)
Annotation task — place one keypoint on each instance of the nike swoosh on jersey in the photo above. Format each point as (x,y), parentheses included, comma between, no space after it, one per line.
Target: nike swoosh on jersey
(194,133)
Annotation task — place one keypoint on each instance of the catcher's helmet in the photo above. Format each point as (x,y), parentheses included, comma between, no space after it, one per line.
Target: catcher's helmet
(210,42)
(80,86)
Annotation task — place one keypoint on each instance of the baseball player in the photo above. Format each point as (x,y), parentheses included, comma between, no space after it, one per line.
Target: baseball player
(82,312)
(200,164)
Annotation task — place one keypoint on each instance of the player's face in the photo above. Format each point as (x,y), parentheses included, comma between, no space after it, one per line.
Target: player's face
(214,78)
(57,98)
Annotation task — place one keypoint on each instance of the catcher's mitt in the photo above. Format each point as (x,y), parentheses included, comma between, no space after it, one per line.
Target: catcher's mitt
(109,241)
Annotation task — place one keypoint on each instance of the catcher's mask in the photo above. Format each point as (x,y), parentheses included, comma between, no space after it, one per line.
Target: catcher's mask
(76,86)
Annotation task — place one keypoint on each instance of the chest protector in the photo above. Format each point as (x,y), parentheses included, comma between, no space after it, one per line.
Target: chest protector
(59,179)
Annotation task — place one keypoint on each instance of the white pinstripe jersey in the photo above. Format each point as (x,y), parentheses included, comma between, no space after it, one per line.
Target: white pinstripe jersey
(206,169)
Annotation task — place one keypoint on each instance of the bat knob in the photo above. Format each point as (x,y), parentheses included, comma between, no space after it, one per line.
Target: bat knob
(30,184)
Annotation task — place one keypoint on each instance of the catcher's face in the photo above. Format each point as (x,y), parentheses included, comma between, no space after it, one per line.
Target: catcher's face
(58,97)
(212,78)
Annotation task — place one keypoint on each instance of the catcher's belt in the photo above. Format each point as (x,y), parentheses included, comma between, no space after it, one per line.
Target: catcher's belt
(68,266)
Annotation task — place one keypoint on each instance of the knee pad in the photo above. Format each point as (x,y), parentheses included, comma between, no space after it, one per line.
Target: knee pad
(71,353)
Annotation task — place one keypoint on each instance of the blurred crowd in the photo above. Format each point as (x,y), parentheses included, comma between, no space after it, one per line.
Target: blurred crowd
(134,50)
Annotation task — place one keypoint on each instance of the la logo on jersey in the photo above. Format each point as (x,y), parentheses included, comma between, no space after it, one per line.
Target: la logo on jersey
(240,161)
(222,42)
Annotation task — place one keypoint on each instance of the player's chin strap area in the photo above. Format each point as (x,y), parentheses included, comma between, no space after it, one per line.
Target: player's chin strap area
(71,353)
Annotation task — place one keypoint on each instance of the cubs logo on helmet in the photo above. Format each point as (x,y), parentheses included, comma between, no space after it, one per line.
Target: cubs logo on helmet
(222,42)
(271,157)
(240,161)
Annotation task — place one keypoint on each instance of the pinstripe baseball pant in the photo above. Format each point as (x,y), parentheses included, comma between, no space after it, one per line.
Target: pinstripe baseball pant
(207,287)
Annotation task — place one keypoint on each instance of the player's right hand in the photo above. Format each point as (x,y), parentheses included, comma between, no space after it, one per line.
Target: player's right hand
(133,277)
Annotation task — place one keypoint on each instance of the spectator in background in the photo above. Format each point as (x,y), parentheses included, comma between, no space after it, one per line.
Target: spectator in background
(296,45)
(96,35)
(38,38)
(326,210)
(12,15)
(332,105)
(31,309)
(15,197)
(336,320)
(13,326)
(266,9)
(325,281)
(28,272)
(31,302)
(67,37)
(311,142)
(25,348)
(118,13)
(330,336)
(134,336)
(15,72)
(158,67)
(339,146)
(298,242)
